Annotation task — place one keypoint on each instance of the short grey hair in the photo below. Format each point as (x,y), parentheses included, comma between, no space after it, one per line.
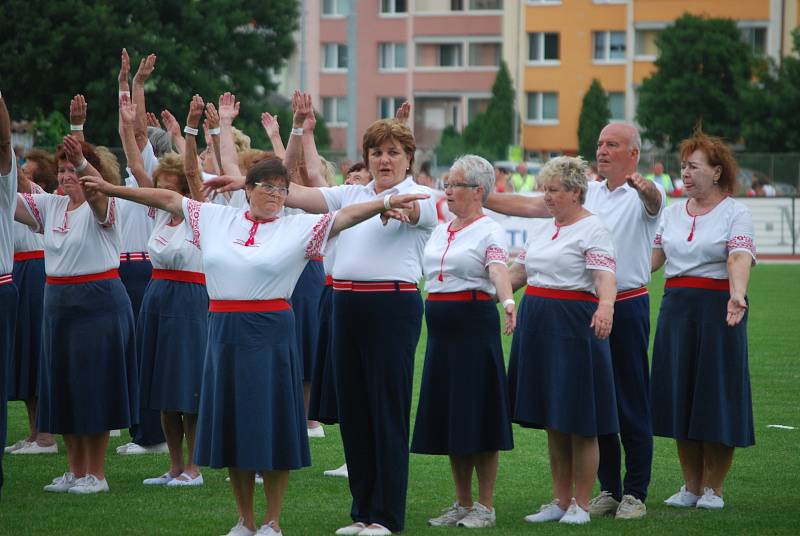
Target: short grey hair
(570,171)
(160,140)
(636,137)
(477,172)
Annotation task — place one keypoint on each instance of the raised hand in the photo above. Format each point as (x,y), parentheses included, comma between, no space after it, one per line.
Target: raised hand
(300,112)
(124,70)
(270,124)
(93,185)
(307,108)
(403,113)
(637,182)
(127,110)
(146,68)
(73,150)
(77,110)
(196,107)
(152,120)
(171,124)
(212,116)
(228,107)
(223,183)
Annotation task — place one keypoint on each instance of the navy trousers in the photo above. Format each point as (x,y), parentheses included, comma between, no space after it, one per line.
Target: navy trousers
(629,339)
(8,319)
(375,335)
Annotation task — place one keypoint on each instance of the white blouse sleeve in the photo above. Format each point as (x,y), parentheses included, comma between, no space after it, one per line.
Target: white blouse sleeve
(496,251)
(36,204)
(659,232)
(315,246)
(740,233)
(111,213)
(599,252)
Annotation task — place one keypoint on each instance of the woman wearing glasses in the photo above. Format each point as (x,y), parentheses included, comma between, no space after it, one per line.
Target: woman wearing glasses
(463,407)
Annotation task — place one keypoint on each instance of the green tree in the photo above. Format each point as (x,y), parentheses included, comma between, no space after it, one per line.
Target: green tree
(595,114)
(450,147)
(703,69)
(204,47)
(496,124)
(772,106)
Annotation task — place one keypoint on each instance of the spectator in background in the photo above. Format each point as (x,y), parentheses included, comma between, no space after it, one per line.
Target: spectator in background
(761,187)
(358,174)
(501,182)
(522,181)
(424,176)
(592,175)
(40,167)
(659,177)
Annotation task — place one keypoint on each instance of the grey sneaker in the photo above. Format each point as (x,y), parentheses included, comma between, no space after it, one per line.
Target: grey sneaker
(478,517)
(61,484)
(631,508)
(451,515)
(88,485)
(603,505)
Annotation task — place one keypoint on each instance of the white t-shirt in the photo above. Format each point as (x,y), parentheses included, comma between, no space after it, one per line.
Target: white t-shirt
(562,257)
(8,206)
(135,222)
(168,247)
(632,227)
(371,251)
(246,260)
(149,159)
(456,261)
(75,242)
(24,238)
(714,236)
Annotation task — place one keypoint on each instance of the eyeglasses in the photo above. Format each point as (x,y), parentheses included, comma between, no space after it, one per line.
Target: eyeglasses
(458,185)
(272,189)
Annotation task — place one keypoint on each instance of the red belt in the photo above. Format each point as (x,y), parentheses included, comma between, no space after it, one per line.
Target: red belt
(633,293)
(28,255)
(374,286)
(466,295)
(315,259)
(73,279)
(697,282)
(179,275)
(559,294)
(247,306)
(135,256)
(5,279)
(328,280)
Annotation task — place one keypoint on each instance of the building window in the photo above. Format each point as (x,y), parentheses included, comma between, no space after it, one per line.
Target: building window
(387,106)
(445,6)
(543,107)
(335,8)
(645,46)
(756,38)
(484,54)
(488,5)
(393,7)
(616,104)
(543,47)
(609,46)
(391,56)
(440,55)
(335,111)
(334,56)
(476,106)
(544,2)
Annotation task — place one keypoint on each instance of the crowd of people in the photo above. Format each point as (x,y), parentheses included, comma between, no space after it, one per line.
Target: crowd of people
(233,299)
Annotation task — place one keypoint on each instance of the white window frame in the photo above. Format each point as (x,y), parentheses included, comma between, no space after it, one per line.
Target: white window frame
(337,69)
(464,42)
(393,12)
(395,103)
(467,11)
(332,122)
(643,26)
(393,46)
(616,119)
(337,14)
(755,25)
(540,107)
(607,59)
(543,2)
(542,62)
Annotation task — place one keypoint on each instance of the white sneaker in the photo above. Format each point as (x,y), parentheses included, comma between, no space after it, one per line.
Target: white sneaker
(21,444)
(61,484)
(548,512)
(268,530)
(375,530)
(450,516)
(240,530)
(35,448)
(317,431)
(114,433)
(575,514)
(710,500)
(339,471)
(479,517)
(133,448)
(682,499)
(162,480)
(89,484)
(351,530)
(185,479)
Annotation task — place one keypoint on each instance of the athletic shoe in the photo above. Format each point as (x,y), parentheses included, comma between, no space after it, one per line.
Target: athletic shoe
(21,444)
(631,508)
(710,500)
(478,517)
(450,516)
(317,431)
(575,515)
(240,530)
(682,499)
(89,484)
(114,433)
(375,530)
(185,479)
(351,530)
(340,471)
(36,448)
(548,512)
(259,479)
(603,505)
(162,480)
(132,448)
(61,484)
(268,530)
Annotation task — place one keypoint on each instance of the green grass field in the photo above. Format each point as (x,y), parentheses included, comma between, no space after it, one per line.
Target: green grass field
(762,491)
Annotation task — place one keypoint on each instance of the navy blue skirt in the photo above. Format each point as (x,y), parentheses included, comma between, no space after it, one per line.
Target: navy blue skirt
(23,368)
(251,403)
(322,404)
(305,304)
(171,345)
(135,275)
(559,373)
(463,402)
(88,382)
(700,382)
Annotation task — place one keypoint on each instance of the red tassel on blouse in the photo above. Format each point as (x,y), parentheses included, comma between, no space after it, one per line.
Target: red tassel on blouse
(451,235)
(691,233)
(558,230)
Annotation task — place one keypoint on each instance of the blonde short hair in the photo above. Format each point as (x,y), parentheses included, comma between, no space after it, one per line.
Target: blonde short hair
(109,165)
(570,171)
(171,163)
(240,140)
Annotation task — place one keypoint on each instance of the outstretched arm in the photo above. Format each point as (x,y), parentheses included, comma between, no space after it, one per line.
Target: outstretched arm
(146,67)
(228,110)
(190,164)
(172,126)
(314,171)
(354,214)
(518,205)
(295,146)
(271,127)
(167,200)
(127,118)
(6,154)
(77,117)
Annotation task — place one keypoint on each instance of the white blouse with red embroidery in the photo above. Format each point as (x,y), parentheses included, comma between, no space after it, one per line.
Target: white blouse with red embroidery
(562,257)
(244,259)
(8,206)
(454,261)
(136,222)
(24,238)
(699,245)
(169,248)
(75,242)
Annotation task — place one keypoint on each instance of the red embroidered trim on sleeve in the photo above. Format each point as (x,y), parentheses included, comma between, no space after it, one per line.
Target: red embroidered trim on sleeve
(522,256)
(318,233)
(600,260)
(36,189)
(151,213)
(193,208)
(496,253)
(657,240)
(742,242)
(35,211)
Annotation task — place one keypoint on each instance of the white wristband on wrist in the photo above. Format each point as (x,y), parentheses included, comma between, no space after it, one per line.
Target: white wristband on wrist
(126,93)
(75,127)
(83,165)
(214,131)
(387,202)
(297,131)
(508,302)
(189,130)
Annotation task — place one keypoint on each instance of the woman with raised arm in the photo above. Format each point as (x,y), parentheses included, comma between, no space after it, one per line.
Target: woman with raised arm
(251,409)
(88,383)
(700,387)
(559,373)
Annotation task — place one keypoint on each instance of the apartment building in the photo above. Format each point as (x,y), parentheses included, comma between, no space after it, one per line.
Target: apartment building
(554,48)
